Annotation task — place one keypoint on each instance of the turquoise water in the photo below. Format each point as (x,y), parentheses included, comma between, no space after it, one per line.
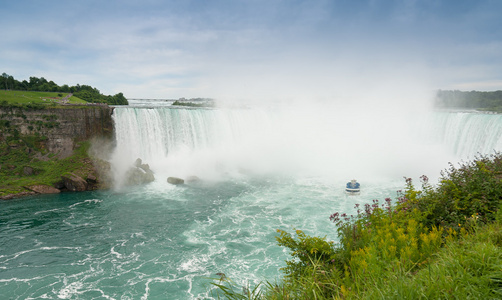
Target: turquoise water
(260,170)
(146,244)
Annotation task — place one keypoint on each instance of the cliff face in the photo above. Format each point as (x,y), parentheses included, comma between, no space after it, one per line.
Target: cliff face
(62,127)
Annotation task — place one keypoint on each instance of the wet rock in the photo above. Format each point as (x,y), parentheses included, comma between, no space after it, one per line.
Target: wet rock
(43,189)
(103,172)
(59,185)
(135,176)
(74,182)
(93,182)
(92,179)
(18,195)
(175,180)
(138,162)
(139,173)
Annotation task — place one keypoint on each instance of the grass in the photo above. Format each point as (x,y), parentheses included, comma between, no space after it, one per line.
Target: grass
(25,97)
(468,268)
(16,155)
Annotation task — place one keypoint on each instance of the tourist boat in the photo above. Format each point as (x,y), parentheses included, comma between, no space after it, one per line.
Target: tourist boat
(353,187)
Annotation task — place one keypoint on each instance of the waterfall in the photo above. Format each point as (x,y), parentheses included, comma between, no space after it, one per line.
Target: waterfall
(155,133)
(307,141)
(184,142)
(465,134)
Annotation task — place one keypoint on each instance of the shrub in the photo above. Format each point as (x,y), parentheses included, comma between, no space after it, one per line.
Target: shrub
(472,189)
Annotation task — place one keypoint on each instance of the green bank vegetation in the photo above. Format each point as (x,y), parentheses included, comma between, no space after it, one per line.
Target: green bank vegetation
(203,103)
(82,93)
(24,159)
(483,101)
(437,242)
(29,99)
(25,162)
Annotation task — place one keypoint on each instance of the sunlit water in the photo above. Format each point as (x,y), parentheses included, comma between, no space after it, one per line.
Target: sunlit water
(160,241)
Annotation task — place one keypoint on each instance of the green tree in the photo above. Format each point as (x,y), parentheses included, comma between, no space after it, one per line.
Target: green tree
(4,80)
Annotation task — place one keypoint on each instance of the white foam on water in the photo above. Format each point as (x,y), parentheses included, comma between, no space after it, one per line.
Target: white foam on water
(55,210)
(88,201)
(70,290)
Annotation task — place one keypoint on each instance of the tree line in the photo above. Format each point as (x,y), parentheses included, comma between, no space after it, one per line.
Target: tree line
(491,101)
(84,92)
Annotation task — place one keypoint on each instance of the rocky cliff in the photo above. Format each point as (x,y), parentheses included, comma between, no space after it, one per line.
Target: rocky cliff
(62,127)
(54,149)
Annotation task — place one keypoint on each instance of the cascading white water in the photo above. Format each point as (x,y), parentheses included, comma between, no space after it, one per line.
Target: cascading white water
(183,142)
(466,134)
(307,141)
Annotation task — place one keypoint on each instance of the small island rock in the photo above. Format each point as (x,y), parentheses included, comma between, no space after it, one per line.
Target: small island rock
(175,180)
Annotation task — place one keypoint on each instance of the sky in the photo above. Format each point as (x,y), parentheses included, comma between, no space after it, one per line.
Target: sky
(255,49)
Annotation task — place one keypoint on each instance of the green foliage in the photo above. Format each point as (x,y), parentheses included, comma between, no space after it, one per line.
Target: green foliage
(20,153)
(491,101)
(227,288)
(467,268)
(32,99)
(21,92)
(472,189)
(192,104)
(306,251)
(90,94)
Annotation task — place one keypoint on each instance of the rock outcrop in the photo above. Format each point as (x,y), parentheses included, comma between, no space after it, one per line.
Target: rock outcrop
(55,133)
(43,189)
(138,174)
(74,183)
(63,127)
(175,180)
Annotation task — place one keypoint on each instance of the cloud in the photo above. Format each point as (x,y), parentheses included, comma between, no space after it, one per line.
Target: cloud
(259,48)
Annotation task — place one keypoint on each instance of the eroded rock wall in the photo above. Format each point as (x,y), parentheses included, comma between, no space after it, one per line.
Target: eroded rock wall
(62,127)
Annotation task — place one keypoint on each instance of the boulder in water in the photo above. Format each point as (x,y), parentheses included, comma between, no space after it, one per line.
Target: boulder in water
(138,162)
(92,179)
(145,167)
(135,176)
(139,173)
(74,182)
(175,180)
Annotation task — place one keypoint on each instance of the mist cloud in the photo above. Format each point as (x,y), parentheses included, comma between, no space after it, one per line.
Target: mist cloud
(243,49)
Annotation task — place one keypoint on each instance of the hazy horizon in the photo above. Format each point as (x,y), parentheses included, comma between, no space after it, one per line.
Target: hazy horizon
(243,50)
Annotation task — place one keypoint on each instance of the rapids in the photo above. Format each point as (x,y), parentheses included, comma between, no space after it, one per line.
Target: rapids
(260,170)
